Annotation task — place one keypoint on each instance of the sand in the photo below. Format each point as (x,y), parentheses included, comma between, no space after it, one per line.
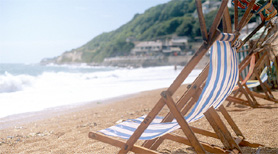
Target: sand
(66,130)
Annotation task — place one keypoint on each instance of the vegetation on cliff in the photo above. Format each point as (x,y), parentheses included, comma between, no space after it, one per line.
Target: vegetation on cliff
(174,17)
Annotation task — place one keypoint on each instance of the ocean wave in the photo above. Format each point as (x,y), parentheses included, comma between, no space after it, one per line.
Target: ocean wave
(13,83)
(53,87)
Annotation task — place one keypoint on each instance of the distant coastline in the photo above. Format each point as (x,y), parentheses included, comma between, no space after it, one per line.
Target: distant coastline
(150,61)
(141,61)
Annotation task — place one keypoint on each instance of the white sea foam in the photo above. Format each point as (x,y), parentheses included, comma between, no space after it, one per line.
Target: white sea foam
(11,83)
(26,93)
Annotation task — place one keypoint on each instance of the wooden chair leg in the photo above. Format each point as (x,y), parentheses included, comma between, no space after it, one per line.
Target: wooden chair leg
(253,102)
(221,130)
(247,93)
(182,122)
(230,121)
(263,86)
(207,147)
(236,100)
(118,143)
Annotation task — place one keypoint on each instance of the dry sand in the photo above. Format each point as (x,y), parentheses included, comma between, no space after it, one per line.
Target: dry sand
(66,130)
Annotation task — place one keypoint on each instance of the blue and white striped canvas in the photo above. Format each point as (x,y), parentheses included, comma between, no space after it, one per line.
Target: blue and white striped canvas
(243,52)
(222,78)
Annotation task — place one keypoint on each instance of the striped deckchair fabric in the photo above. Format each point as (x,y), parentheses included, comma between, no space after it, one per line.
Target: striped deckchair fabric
(221,80)
(242,53)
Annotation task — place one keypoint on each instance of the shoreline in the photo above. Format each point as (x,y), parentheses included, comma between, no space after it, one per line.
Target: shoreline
(39,98)
(67,132)
(16,120)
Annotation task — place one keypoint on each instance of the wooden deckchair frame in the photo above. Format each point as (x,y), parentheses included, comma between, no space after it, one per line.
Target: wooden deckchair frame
(243,89)
(261,63)
(250,95)
(177,110)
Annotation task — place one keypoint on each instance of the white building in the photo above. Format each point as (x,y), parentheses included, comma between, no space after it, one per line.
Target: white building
(176,45)
(173,46)
(147,48)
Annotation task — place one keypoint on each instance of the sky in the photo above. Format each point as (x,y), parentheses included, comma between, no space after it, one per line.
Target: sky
(31,30)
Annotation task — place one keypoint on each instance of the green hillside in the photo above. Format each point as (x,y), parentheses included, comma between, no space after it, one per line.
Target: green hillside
(162,21)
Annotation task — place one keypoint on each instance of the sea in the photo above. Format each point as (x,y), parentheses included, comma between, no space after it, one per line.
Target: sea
(28,88)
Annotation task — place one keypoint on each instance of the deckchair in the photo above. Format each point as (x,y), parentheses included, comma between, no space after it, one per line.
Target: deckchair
(262,78)
(261,46)
(226,141)
(246,68)
(249,84)
(264,62)
(263,66)
(210,98)
(221,80)
(190,95)
(259,71)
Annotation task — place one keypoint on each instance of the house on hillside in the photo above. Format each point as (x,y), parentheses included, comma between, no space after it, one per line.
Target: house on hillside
(147,48)
(174,46)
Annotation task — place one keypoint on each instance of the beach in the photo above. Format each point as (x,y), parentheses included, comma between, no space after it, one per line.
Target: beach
(66,130)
